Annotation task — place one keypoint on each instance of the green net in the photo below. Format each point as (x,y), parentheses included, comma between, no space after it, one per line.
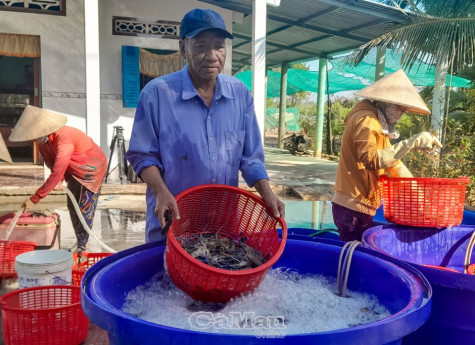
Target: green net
(342,77)
(291,119)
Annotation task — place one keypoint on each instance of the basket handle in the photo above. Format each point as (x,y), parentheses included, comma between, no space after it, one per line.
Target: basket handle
(169,220)
(468,253)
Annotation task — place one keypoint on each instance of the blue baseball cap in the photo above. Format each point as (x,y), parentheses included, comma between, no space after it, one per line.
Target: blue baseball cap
(198,20)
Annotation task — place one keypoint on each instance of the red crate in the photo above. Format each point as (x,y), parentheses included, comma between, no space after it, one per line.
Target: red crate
(44,315)
(236,213)
(78,270)
(9,250)
(426,202)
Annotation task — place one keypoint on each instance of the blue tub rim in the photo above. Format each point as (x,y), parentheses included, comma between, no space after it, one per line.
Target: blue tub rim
(424,308)
(433,275)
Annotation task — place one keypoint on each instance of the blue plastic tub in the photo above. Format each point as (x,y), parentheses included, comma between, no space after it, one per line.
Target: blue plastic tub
(401,288)
(378,219)
(452,320)
(331,234)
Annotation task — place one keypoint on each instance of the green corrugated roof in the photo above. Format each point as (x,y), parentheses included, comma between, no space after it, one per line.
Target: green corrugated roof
(345,78)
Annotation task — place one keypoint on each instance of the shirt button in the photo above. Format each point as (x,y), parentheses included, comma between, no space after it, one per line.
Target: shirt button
(209,117)
(213,180)
(210,138)
(213,158)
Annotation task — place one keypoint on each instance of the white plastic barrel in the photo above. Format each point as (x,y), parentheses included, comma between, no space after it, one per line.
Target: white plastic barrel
(44,267)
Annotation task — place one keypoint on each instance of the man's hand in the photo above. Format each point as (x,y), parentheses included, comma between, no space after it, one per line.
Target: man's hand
(165,199)
(277,207)
(166,202)
(28,204)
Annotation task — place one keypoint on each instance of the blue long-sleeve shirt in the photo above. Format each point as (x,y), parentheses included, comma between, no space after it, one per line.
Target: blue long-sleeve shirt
(192,144)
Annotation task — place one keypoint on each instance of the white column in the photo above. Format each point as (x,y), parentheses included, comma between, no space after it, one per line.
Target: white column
(438,100)
(259,18)
(93,89)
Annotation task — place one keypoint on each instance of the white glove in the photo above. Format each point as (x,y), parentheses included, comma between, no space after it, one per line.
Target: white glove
(424,141)
(399,170)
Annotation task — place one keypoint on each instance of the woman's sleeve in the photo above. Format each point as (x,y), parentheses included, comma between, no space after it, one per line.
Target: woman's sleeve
(65,150)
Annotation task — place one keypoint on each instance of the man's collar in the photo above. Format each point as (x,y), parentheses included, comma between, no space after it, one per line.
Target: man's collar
(189,90)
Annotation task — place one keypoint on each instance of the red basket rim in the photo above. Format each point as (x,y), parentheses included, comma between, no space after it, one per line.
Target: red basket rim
(461,179)
(22,242)
(443,268)
(5,306)
(259,200)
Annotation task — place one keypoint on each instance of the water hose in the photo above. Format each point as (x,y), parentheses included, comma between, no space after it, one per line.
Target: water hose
(83,221)
(344,263)
(468,253)
(13,223)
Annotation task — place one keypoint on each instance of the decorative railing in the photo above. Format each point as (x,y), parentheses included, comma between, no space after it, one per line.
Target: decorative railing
(55,7)
(139,27)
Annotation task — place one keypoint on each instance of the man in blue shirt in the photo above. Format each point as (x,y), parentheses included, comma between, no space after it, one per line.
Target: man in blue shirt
(196,126)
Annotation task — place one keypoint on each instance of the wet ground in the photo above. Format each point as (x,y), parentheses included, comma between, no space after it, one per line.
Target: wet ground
(305,184)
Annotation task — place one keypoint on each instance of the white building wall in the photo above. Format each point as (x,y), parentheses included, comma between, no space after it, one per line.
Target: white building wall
(63,63)
(63,84)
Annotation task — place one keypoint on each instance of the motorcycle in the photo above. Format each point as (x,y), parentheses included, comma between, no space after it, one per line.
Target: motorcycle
(297,144)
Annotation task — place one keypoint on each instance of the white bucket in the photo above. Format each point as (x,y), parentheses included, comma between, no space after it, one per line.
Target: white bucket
(44,267)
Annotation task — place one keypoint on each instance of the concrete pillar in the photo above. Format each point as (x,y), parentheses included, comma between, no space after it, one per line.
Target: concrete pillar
(282,103)
(93,89)
(438,101)
(259,18)
(322,76)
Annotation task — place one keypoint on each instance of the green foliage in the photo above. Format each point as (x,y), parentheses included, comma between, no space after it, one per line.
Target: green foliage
(308,119)
(339,109)
(410,124)
(457,157)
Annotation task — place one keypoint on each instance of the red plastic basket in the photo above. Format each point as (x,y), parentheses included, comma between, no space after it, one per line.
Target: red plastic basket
(236,213)
(46,315)
(427,202)
(8,252)
(79,270)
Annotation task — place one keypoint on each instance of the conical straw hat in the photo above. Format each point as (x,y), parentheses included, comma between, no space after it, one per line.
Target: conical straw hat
(395,88)
(4,154)
(35,123)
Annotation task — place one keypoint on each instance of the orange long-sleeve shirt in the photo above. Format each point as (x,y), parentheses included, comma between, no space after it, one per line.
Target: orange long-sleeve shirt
(356,185)
(69,150)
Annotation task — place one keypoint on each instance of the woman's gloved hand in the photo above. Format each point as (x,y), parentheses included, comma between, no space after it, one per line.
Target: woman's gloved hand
(399,170)
(423,141)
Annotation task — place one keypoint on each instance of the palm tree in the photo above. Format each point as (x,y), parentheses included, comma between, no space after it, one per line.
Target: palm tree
(438,32)
(436,29)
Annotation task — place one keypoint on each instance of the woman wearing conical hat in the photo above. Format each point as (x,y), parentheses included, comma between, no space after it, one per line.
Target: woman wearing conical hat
(71,155)
(366,151)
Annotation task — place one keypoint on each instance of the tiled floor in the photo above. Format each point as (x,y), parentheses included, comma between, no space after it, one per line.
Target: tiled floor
(21,174)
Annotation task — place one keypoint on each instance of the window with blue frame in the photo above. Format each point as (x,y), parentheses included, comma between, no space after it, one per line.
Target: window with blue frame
(140,65)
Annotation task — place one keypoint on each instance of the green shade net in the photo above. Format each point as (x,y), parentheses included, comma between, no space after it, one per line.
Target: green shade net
(291,119)
(345,78)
